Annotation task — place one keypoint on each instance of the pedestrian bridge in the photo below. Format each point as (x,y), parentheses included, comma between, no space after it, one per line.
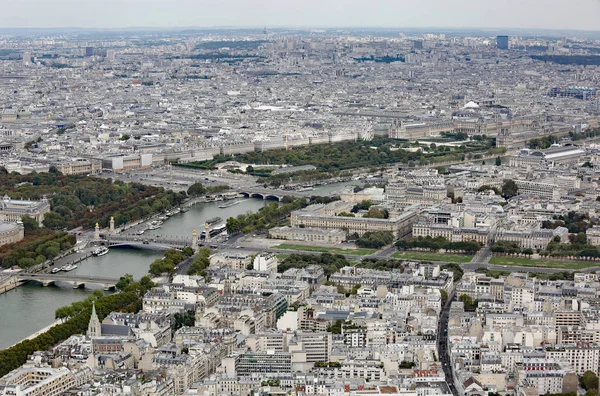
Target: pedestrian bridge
(76,281)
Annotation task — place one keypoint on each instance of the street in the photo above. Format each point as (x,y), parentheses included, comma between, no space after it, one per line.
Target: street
(443,344)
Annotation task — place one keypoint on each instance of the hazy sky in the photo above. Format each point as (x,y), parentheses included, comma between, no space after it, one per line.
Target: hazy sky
(547,14)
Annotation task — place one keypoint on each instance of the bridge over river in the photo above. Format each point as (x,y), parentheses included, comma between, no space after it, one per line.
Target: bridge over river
(272,194)
(151,243)
(77,281)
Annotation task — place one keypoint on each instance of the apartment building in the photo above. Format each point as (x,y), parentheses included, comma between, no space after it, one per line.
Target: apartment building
(310,347)
(538,189)
(46,381)
(547,376)
(581,357)
(265,363)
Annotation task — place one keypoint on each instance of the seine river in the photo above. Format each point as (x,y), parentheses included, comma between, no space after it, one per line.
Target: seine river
(29,308)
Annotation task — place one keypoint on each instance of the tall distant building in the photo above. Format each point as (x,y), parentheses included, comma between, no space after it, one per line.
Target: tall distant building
(89,51)
(502,42)
(417,44)
(110,55)
(26,58)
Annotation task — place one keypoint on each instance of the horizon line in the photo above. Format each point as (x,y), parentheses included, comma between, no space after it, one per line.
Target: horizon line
(308,27)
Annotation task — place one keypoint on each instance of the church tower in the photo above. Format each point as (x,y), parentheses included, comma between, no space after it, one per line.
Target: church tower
(94,327)
(200,305)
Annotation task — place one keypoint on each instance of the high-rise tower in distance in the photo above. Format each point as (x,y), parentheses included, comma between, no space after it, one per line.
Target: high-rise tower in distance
(502,42)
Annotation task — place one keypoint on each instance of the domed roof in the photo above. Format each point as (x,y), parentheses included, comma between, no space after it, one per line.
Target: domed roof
(471,105)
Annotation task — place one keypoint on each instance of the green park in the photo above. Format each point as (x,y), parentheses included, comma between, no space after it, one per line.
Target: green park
(427,256)
(322,249)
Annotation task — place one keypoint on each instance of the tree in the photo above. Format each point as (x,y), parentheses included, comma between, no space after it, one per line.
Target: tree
(187,318)
(589,380)
(30,225)
(125,137)
(124,281)
(364,205)
(336,328)
(375,239)
(587,164)
(377,213)
(509,188)
(498,161)
(580,238)
(444,295)
(201,263)
(146,283)
(188,251)
(196,189)
(465,299)
(249,169)
(469,304)
(161,266)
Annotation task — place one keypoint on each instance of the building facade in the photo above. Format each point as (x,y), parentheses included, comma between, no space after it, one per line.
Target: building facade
(12,210)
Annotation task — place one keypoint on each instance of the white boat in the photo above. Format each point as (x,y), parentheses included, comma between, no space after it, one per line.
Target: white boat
(155,225)
(226,205)
(68,268)
(55,270)
(101,251)
(213,232)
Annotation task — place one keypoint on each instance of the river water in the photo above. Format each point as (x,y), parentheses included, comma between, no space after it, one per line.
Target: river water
(30,308)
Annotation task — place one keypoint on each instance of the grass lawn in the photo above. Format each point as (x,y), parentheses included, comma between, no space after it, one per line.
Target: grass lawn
(353,252)
(450,258)
(546,263)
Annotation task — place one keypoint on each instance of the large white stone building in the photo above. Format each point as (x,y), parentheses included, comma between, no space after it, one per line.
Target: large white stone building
(12,210)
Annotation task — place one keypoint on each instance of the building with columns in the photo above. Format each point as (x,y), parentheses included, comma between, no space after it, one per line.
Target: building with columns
(12,210)
(11,232)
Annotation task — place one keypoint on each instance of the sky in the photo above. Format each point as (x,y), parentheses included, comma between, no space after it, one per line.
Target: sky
(544,14)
